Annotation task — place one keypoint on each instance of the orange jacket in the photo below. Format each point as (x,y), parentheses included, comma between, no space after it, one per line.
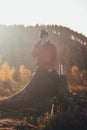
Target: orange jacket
(46,55)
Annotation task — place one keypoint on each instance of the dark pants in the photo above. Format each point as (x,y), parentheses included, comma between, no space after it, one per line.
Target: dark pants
(44,84)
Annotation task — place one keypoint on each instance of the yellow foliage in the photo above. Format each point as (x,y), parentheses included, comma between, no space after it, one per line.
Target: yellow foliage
(76,75)
(6,73)
(75,70)
(25,73)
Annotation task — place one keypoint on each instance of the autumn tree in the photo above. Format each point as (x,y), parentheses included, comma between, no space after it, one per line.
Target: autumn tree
(76,75)
(25,73)
(6,73)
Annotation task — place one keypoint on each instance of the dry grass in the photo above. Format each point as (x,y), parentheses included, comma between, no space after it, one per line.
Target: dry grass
(77,88)
(12,124)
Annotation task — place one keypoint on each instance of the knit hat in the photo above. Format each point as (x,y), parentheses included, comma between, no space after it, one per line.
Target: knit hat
(43,32)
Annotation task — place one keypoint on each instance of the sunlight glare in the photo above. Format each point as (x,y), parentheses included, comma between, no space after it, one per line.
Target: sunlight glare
(30,12)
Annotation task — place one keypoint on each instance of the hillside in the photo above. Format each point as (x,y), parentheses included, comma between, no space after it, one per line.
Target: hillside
(16,43)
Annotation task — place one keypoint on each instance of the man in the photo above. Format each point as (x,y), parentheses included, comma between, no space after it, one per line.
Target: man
(45,52)
(45,80)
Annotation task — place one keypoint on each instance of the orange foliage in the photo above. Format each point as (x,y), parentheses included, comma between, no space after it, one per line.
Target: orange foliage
(25,73)
(75,71)
(6,73)
(76,76)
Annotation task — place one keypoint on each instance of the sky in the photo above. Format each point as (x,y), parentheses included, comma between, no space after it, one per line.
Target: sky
(69,13)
